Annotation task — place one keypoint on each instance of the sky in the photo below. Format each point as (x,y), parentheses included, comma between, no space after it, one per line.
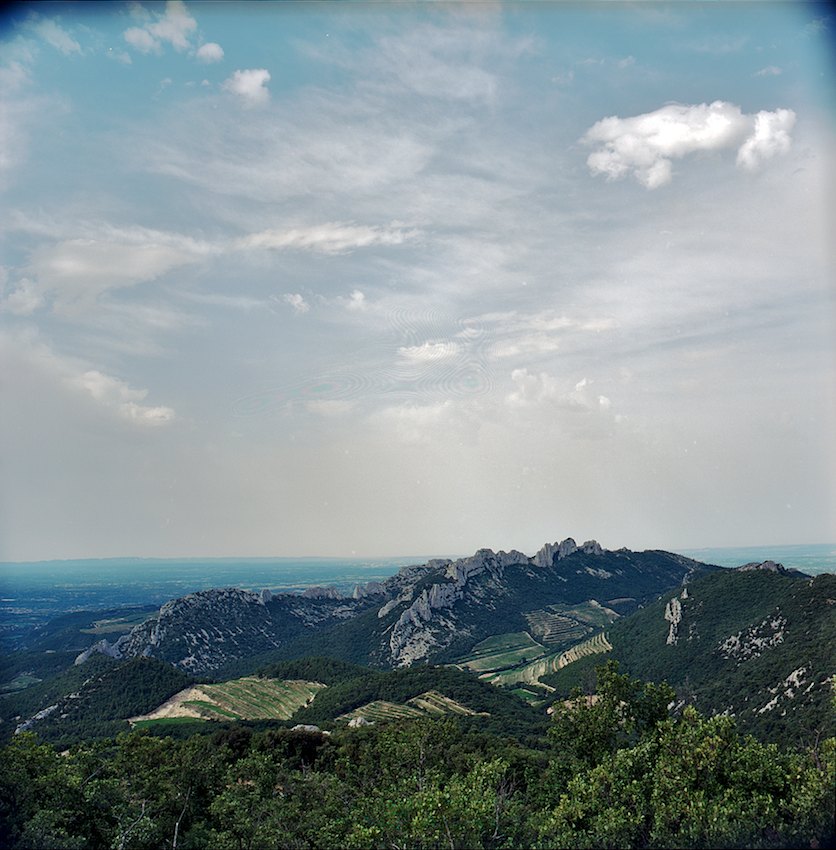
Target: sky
(393,279)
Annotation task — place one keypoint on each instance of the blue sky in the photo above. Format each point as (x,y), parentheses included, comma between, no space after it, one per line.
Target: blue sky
(314,278)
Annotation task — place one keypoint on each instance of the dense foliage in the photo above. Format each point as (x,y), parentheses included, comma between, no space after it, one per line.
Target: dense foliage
(614,772)
(716,607)
(95,698)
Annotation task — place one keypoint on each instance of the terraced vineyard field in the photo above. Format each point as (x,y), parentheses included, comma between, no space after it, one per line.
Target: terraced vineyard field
(433,702)
(380,710)
(501,651)
(249,698)
(430,702)
(531,672)
(561,625)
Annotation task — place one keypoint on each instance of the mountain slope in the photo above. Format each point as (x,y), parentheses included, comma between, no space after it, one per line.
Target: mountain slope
(756,643)
(429,613)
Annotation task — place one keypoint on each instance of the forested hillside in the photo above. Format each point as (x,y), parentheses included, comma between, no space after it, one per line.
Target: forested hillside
(755,643)
(616,772)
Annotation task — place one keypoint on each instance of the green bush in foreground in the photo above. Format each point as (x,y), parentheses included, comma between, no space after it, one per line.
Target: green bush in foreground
(617,772)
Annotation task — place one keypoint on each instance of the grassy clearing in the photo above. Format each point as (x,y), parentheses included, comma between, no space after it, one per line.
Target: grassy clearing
(116,624)
(19,683)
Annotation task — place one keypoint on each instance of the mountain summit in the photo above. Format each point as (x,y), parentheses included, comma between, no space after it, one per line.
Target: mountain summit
(425,613)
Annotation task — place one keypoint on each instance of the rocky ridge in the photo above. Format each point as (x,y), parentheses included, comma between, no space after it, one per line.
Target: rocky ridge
(421,612)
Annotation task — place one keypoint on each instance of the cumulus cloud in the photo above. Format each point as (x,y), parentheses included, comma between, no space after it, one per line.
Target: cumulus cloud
(250,85)
(531,388)
(770,138)
(120,397)
(210,52)
(297,302)
(769,71)
(645,145)
(328,238)
(429,351)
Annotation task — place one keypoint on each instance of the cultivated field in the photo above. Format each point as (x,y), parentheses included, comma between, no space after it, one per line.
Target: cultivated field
(562,625)
(531,672)
(428,703)
(501,651)
(249,698)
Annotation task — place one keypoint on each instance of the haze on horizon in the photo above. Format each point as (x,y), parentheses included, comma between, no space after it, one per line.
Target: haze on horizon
(333,279)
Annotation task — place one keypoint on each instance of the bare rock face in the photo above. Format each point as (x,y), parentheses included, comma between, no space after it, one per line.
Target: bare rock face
(419,628)
(673,614)
(370,588)
(103,646)
(766,566)
(592,547)
(552,552)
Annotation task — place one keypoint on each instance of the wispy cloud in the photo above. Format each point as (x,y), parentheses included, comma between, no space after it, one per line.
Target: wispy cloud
(56,36)
(117,395)
(328,238)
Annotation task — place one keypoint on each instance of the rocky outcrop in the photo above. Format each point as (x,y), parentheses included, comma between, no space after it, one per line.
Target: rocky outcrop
(673,614)
(422,627)
(757,639)
(370,588)
(103,646)
(552,552)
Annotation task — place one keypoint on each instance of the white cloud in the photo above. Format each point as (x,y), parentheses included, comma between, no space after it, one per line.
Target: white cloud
(297,302)
(210,52)
(531,389)
(355,301)
(78,270)
(328,238)
(251,85)
(645,145)
(142,40)
(771,137)
(174,26)
(54,35)
(120,397)
(23,300)
(604,402)
(769,71)
(429,351)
